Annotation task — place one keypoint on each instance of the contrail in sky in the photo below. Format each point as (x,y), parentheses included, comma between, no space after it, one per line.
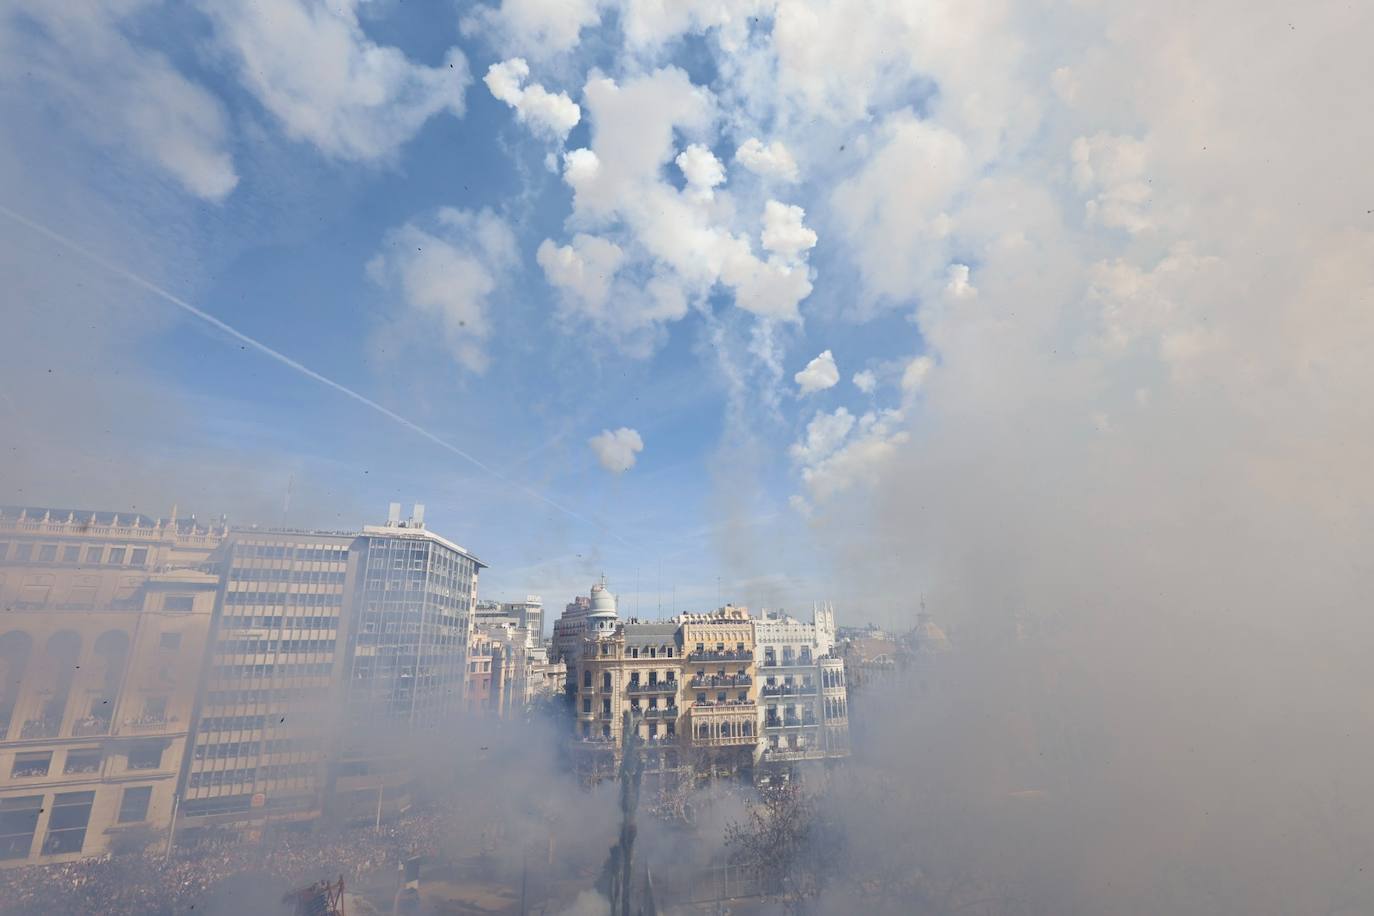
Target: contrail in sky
(298,367)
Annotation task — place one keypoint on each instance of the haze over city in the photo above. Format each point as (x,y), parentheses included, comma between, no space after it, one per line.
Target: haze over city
(503,395)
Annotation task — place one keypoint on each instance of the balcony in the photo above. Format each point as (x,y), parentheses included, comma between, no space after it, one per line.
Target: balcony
(40,728)
(788,690)
(653,687)
(726,655)
(729,680)
(781,754)
(790,722)
(149,723)
(806,661)
(660,712)
(731,705)
(91,725)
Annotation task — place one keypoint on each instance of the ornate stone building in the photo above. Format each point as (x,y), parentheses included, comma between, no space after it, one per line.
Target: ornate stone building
(104,622)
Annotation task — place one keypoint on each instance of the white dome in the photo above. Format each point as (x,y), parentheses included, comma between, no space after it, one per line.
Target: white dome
(603,602)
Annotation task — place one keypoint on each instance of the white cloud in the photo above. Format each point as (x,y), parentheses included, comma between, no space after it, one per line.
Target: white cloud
(547,113)
(538,28)
(617,450)
(702,170)
(584,270)
(771,161)
(684,239)
(866,381)
(123,94)
(442,272)
(824,434)
(959,286)
(1112,169)
(915,374)
(821,373)
(875,442)
(895,211)
(783,232)
(310,64)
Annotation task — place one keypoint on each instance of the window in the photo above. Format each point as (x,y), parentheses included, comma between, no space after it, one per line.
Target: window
(155,709)
(4,549)
(82,761)
(587,704)
(145,755)
(71,554)
(606,680)
(94,554)
(180,603)
(605,707)
(139,556)
(116,557)
(27,766)
(23,552)
(71,811)
(47,553)
(18,822)
(587,678)
(170,641)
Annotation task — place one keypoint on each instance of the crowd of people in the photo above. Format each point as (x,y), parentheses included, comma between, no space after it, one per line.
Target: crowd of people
(216,876)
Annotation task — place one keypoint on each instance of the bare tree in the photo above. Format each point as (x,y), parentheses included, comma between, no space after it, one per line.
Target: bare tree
(786,844)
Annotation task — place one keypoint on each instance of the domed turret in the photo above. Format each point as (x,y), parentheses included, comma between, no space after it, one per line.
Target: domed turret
(603,602)
(601,621)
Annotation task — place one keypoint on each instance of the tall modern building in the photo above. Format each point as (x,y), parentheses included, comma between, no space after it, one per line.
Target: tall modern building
(412,619)
(104,620)
(267,711)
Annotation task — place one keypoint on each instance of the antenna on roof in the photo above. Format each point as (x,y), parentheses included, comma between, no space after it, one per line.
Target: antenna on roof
(393,515)
(418,515)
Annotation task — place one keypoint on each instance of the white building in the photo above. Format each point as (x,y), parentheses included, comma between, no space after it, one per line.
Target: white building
(803,713)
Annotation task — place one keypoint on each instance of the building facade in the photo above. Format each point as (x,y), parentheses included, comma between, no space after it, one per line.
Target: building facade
(104,623)
(268,711)
(803,713)
(721,692)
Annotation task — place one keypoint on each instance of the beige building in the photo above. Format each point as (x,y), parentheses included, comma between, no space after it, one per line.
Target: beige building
(688,684)
(104,619)
(636,668)
(723,710)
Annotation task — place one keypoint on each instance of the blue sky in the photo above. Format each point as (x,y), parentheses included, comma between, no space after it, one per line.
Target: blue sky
(810,297)
(283,257)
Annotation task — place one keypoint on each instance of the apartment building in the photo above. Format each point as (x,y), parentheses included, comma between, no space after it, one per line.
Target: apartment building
(268,713)
(803,712)
(636,668)
(721,692)
(723,715)
(104,622)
